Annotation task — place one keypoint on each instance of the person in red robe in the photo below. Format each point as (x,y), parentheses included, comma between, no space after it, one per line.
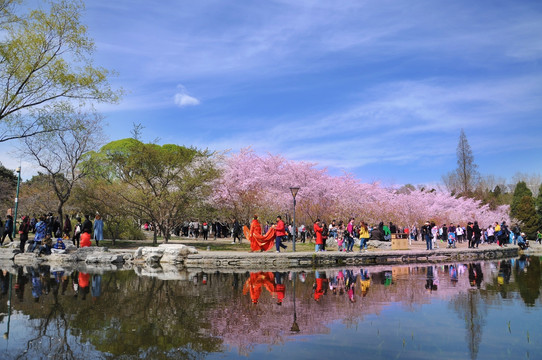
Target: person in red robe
(85,240)
(319,239)
(255,282)
(320,285)
(259,242)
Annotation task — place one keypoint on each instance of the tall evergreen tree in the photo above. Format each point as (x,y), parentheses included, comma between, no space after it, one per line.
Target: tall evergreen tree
(538,206)
(520,191)
(527,215)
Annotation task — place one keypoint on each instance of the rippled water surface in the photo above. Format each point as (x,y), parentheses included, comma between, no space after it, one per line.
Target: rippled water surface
(487,310)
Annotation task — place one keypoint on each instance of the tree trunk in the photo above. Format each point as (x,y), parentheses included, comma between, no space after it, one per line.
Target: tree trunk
(155,236)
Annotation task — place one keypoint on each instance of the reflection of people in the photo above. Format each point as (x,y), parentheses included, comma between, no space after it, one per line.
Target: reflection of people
(505,270)
(280,289)
(430,286)
(20,283)
(475,275)
(96,286)
(255,282)
(320,285)
(257,240)
(365,282)
(83,282)
(453,274)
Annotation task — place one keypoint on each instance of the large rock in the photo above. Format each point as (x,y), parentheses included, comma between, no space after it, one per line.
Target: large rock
(382,245)
(162,272)
(164,253)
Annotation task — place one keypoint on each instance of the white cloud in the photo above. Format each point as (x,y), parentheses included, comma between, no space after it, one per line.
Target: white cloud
(182,98)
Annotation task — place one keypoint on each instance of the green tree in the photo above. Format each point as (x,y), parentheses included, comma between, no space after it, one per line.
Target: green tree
(538,206)
(464,179)
(526,214)
(163,184)
(520,191)
(46,64)
(8,183)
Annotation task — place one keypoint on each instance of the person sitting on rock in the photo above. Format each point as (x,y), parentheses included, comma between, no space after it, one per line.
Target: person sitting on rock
(377,234)
(59,247)
(522,243)
(47,246)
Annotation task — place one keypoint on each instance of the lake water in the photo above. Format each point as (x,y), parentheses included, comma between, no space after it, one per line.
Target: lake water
(484,310)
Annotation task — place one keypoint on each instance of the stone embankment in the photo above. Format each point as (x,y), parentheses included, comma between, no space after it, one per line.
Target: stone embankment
(174,256)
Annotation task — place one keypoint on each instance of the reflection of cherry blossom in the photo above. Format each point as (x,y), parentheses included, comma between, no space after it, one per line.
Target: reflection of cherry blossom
(252,183)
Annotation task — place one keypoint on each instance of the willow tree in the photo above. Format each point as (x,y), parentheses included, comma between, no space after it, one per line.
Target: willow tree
(45,63)
(163,184)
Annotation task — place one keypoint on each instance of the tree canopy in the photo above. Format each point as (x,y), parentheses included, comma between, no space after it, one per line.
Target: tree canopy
(46,65)
(163,184)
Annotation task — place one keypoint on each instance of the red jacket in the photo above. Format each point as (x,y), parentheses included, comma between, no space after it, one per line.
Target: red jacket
(318,230)
(280,230)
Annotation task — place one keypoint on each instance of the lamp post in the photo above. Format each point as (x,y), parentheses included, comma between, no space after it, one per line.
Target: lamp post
(295,326)
(294,190)
(16,201)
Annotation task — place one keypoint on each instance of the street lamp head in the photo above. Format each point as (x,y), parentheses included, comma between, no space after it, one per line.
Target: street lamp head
(18,169)
(294,190)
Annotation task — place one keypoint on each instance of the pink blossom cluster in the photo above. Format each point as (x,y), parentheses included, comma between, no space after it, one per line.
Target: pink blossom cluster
(253,184)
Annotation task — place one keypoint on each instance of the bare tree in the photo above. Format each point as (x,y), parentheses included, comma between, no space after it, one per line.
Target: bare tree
(464,179)
(532,181)
(60,153)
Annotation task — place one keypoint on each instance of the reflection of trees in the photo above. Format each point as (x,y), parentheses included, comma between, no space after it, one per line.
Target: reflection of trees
(138,317)
(134,317)
(527,274)
(471,307)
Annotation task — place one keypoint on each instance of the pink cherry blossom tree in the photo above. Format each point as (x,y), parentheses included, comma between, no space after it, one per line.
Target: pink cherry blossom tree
(251,183)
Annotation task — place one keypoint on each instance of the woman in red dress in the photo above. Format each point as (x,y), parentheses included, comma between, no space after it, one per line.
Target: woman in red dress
(259,242)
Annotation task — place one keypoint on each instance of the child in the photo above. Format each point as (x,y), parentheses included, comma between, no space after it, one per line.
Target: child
(451,240)
(59,247)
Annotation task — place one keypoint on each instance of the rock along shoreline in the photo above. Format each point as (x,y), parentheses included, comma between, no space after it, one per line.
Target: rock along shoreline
(183,256)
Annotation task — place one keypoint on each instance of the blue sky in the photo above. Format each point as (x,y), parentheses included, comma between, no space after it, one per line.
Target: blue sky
(379,89)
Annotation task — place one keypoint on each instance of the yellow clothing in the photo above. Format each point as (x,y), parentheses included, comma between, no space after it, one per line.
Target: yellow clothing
(363,233)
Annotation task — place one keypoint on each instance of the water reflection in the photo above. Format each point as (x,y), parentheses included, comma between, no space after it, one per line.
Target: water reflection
(397,310)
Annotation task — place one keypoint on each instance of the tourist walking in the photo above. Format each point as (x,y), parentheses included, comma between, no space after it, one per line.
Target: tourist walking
(236,231)
(477,233)
(67,226)
(318,231)
(350,235)
(426,234)
(434,234)
(98,229)
(24,228)
(470,234)
(205,230)
(280,233)
(41,231)
(77,231)
(8,229)
(363,236)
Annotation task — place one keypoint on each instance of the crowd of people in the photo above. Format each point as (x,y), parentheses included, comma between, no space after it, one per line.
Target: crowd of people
(346,235)
(472,234)
(47,227)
